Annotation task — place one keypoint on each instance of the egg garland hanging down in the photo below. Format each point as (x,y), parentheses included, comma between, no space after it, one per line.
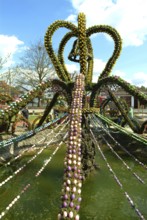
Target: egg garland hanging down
(71,192)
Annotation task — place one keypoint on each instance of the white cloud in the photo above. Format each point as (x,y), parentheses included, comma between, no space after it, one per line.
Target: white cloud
(72,17)
(119,73)
(123,75)
(139,79)
(98,67)
(129,17)
(71,68)
(9,45)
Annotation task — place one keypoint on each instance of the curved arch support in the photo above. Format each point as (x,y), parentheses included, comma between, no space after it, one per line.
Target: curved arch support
(64,41)
(117,48)
(48,109)
(117,80)
(14,107)
(48,45)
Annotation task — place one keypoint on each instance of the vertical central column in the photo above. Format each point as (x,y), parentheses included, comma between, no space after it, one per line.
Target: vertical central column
(82,43)
(71,192)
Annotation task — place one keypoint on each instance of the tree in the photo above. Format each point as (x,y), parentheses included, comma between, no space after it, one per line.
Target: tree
(35,67)
(7,91)
(9,77)
(143,89)
(3,61)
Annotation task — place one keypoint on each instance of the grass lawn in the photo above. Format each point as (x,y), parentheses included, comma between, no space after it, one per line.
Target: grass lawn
(32,118)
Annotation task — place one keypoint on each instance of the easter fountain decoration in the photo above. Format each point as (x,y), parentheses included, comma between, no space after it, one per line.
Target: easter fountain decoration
(80,154)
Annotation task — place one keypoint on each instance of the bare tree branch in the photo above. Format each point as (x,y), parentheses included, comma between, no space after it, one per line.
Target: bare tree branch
(4,60)
(35,66)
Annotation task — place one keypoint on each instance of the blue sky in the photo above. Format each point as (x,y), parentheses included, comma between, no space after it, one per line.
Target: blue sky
(25,21)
